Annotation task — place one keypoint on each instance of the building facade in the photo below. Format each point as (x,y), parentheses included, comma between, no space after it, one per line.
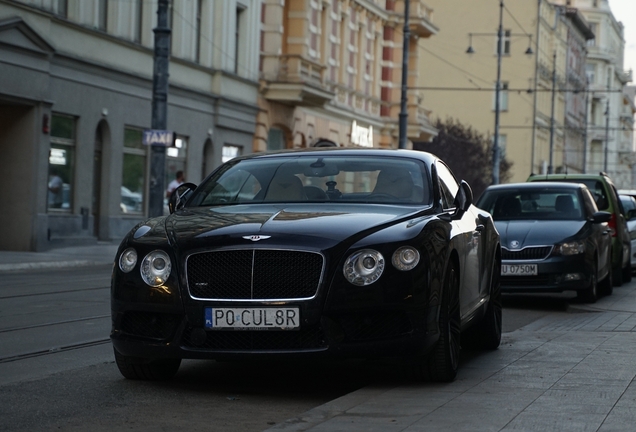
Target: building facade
(332,70)
(75,97)
(541,114)
(609,148)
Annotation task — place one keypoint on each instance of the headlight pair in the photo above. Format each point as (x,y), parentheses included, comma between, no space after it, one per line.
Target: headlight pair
(155,267)
(365,266)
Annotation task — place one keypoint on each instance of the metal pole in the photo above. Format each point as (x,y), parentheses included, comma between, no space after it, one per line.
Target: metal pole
(496,152)
(551,166)
(607,118)
(159,109)
(405,74)
(534,95)
(587,101)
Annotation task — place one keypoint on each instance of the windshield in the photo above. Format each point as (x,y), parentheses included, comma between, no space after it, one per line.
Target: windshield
(319,179)
(533,204)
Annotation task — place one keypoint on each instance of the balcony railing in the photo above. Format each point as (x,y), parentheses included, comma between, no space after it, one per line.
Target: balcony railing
(294,79)
(420,19)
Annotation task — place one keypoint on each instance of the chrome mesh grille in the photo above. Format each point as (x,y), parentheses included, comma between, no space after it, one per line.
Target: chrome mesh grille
(529,253)
(254,274)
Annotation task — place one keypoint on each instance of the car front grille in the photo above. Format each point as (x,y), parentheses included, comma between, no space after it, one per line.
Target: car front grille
(254,274)
(526,254)
(307,338)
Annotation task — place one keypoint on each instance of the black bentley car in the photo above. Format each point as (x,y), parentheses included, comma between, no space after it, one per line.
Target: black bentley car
(553,238)
(355,253)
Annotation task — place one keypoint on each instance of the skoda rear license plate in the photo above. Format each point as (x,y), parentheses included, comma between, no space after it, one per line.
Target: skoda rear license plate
(252,318)
(519,270)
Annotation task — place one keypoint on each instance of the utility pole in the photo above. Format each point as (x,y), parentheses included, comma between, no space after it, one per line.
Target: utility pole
(607,118)
(405,76)
(551,166)
(587,101)
(496,151)
(159,109)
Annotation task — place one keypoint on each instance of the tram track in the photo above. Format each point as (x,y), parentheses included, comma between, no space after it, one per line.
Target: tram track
(49,324)
(53,292)
(54,350)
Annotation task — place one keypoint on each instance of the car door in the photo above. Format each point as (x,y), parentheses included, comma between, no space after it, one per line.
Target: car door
(466,232)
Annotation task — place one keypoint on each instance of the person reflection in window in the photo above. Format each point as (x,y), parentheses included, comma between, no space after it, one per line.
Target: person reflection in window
(56,187)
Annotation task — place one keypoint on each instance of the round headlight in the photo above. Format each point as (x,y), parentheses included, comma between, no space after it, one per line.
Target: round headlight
(155,268)
(128,260)
(363,267)
(405,258)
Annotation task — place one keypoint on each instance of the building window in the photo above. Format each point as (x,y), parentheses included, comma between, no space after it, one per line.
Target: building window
(62,8)
(133,180)
(102,17)
(61,162)
(275,139)
(503,98)
(229,152)
(505,43)
(593,28)
(139,7)
(590,71)
(197,42)
(239,38)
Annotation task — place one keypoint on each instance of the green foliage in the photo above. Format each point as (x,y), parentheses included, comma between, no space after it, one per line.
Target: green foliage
(467,152)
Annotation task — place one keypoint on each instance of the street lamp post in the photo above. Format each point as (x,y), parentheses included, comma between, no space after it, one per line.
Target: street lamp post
(159,109)
(496,150)
(552,121)
(405,75)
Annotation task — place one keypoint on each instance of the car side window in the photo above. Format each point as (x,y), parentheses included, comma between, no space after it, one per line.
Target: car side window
(588,202)
(448,185)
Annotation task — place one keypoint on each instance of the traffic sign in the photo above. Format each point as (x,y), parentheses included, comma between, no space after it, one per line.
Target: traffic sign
(158,137)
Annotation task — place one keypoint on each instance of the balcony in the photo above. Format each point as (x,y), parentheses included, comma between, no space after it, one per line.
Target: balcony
(420,17)
(292,79)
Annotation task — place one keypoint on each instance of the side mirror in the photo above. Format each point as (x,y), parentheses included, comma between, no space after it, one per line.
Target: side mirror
(600,217)
(463,199)
(179,196)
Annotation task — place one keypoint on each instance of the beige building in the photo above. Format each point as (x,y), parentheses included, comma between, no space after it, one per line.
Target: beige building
(535,134)
(331,70)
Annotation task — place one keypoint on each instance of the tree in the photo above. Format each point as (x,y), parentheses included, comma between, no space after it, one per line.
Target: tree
(467,152)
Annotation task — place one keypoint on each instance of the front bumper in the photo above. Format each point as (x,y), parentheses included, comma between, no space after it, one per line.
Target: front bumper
(554,274)
(382,333)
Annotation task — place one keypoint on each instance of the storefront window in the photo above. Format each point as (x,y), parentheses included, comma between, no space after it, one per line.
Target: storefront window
(134,172)
(175,162)
(61,163)
(230,152)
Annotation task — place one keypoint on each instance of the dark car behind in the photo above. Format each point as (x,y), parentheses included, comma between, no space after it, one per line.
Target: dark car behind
(553,238)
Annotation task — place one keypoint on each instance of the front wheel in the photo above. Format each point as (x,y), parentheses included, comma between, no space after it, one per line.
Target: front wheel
(443,361)
(136,368)
(590,294)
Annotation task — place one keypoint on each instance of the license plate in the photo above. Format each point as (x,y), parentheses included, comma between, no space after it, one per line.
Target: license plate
(252,318)
(519,270)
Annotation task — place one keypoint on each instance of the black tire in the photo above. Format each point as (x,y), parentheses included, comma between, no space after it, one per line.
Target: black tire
(443,361)
(487,333)
(606,286)
(136,368)
(590,294)
(627,270)
(617,271)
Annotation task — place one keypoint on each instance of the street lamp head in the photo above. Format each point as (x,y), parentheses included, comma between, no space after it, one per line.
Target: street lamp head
(470,50)
(529,51)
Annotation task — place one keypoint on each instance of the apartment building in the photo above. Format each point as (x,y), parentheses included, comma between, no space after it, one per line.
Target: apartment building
(610,146)
(332,70)
(75,97)
(542,81)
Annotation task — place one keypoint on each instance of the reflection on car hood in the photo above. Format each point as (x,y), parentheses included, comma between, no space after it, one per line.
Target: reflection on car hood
(536,233)
(285,224)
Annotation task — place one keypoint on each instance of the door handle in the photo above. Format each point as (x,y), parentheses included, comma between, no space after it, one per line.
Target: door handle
(479,228)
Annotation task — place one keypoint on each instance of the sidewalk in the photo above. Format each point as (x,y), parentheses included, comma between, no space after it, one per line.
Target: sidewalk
(570,371)
(101,253)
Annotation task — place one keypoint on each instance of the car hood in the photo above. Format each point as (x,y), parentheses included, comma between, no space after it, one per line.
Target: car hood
(536,233)
(278,225)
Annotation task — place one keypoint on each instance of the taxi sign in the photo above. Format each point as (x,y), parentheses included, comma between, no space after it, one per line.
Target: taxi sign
(158,137)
